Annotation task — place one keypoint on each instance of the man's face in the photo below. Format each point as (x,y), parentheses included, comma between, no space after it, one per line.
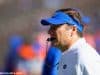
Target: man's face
(62,33)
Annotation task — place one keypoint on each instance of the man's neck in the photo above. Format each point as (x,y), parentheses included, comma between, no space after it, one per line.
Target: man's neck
(73,40)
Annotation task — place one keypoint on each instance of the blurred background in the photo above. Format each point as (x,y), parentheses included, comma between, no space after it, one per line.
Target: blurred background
(22,18)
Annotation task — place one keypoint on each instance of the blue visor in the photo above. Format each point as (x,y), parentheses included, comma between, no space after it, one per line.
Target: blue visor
(61,18)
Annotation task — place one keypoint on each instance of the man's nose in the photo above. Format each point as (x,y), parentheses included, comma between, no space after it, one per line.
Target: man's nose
(49,31)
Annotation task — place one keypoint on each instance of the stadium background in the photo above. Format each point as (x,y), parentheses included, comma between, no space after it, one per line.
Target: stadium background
(23,17)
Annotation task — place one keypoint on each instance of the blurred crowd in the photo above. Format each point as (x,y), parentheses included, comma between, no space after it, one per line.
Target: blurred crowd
(25,57)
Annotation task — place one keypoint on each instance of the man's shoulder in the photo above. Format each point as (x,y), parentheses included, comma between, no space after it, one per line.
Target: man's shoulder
(87,54)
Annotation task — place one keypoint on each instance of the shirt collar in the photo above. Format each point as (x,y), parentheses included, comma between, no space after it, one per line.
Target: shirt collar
(75,45)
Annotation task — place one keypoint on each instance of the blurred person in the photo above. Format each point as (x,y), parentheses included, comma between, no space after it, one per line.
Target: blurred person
(66,33)
(97,40)
(29,63)
(41,44)
(14,42)
(39,50)
(90,39)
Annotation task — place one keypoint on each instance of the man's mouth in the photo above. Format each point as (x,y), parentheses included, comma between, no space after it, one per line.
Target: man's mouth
(52,38)
(54,41)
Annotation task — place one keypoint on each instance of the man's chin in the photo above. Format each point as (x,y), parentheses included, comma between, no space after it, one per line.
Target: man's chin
(59,45)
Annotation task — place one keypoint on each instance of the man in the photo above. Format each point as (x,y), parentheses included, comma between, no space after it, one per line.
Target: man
(78,57)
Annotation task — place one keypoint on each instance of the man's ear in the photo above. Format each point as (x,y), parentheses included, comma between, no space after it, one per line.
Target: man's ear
(74,30)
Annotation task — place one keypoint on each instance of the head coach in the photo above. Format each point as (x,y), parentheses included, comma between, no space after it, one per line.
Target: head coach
(66,34)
